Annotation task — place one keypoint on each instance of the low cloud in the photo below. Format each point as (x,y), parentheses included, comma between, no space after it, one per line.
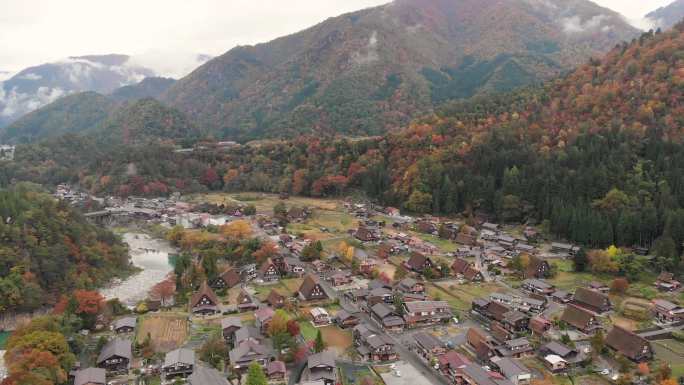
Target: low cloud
(31,76)
(170,64)
(574,24)
(14,104)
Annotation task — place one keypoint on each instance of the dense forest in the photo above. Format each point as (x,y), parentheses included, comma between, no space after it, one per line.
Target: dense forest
(49,249)
(595,156)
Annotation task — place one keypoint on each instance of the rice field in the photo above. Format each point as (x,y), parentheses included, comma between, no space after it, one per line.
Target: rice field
(167,332)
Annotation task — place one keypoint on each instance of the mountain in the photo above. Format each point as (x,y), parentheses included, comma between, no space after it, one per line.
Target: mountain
(37,86)
(152,87)
(666,17)
(372,70)
(143,121)
(73,113)
(81,112)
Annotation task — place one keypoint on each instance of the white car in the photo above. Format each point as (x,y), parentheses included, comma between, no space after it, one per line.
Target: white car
(397,373)
(605,372)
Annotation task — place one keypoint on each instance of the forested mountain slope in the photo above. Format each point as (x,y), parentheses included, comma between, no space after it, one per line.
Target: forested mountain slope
(74,113)
(666,17)
(371,71)
(48,249)
(597,154)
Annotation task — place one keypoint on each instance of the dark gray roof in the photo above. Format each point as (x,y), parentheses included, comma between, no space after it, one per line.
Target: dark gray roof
(538,283)
(558,349)
(382,310)
(231,322)
(427,341)
(116,347)
(517,342)
(247,332)
(125,322)
(207,376)
(481,377)
(180,356)
(324,358)
(378,340)
(426,306)
(248,348)
(90,375)
(511,368)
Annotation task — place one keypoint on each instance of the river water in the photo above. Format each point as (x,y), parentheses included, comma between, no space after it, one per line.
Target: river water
(149,254)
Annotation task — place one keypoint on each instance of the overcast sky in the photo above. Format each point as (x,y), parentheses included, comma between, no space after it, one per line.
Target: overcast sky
(164,34)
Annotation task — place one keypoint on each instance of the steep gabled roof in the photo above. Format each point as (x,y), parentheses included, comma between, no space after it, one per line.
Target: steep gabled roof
(459,266)
(116,347)
(577,317)
(417,261)
(308,285)
(204,291)
(263,269)
(629,344)
(275,299)
(231,277)
(589,297)
(534,265)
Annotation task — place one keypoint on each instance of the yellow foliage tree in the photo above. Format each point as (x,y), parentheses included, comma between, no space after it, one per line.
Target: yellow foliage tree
(613,251)
(237,230)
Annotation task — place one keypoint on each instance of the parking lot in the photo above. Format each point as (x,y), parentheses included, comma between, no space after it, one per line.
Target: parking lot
(404,374)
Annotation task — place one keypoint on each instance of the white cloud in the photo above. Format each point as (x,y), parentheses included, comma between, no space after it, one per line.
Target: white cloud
(575,24)
(38,31)
(635,10)
(173,64)
(50,30)
(13,103)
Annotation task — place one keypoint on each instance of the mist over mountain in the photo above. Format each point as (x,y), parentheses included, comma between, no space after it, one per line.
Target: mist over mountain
(666,17)
(37,86)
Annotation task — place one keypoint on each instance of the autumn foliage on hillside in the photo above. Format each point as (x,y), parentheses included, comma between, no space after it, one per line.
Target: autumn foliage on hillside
(49,249)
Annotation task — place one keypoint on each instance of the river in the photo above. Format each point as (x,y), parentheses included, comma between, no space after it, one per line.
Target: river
(149,254)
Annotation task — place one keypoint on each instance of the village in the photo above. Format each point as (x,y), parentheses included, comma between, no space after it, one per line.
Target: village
(378,297)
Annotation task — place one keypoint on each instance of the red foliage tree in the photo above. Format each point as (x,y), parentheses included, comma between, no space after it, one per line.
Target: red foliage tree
(210,177)
(293,328)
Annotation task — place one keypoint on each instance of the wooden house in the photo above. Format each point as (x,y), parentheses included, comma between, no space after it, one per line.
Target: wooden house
(591,300)
(629,344)
(228,279)
(115,357)
(311,290)
(419,263)
(204,301)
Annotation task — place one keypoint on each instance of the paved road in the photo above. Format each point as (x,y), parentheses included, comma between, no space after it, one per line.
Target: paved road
(400,346)
(481,266)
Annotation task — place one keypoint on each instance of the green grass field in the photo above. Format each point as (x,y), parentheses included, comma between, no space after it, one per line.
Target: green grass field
(672,352)
(567,278)
(307,330)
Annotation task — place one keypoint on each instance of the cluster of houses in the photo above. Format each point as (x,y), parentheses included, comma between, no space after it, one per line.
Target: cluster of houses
(379,311)
(510,319)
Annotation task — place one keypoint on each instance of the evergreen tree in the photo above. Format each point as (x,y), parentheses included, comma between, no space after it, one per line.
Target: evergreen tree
(319,344)
(580,261)
(255,375)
